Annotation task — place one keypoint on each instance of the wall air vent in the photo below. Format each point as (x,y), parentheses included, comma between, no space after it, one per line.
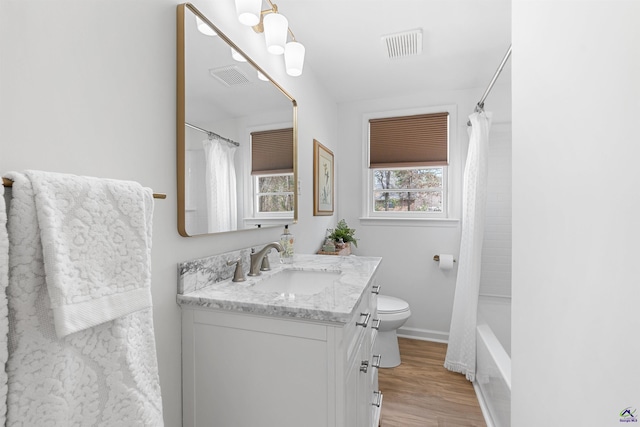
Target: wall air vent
(399,45)
(230,75)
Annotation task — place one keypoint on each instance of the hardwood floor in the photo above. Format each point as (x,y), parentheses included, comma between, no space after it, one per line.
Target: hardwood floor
(422,393)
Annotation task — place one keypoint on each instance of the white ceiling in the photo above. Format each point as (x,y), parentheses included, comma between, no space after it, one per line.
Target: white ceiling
(464,41)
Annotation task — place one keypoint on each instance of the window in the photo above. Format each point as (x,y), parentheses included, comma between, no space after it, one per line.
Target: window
(272,171)
(408,158)
(273,194)
(408,190)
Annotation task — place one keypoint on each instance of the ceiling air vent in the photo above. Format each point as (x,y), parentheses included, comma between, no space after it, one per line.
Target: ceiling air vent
(399,45)
(230,75)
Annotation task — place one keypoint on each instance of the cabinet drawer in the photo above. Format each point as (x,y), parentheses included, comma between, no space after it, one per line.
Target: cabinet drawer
(359,326)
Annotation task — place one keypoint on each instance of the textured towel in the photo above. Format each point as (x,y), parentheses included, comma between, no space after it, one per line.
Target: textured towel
(4,310)
(96,241)
(106,375)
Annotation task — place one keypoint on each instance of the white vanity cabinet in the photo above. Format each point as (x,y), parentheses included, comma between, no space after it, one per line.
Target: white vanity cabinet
(248,370)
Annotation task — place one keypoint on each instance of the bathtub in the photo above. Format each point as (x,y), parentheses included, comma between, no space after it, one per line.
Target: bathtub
(493,361)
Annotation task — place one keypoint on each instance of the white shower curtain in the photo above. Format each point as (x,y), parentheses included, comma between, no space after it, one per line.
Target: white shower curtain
(221,186)
(461,350)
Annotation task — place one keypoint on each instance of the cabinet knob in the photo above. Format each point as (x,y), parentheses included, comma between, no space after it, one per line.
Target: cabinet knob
(376,324)
(364,366)
(364,324)
(377,360)
(375,289)
(378,398)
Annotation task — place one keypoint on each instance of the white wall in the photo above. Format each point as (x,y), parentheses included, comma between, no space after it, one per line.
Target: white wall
(88,87)
(576,103)
(317,117)
(408,270)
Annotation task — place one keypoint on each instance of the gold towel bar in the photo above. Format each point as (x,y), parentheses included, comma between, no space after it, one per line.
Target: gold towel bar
(8,183)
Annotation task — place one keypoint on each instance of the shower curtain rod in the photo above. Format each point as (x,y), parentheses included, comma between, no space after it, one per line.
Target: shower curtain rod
(212,134)
(9,183)
(480,104)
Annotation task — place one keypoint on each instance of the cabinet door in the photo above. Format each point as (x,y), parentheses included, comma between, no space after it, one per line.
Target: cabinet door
(357,389)
(364,384)
(352,403)
(358,377)
(376,403)
(245,378)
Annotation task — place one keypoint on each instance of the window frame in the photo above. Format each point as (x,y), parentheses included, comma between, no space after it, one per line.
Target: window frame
(256,194)
(249,208)
(446,217)
(410,214)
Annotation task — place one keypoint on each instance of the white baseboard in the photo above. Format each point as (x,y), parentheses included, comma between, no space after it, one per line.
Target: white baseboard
(424,334)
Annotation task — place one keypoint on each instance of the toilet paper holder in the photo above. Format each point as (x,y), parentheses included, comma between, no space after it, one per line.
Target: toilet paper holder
(437,258)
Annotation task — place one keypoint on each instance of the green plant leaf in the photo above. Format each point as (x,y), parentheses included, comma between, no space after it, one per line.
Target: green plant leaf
(342,231)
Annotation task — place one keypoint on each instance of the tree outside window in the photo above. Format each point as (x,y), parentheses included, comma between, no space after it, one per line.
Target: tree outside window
(274,193)
(406,190)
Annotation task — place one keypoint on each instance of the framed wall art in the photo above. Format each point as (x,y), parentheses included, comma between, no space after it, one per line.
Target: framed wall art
(322,180)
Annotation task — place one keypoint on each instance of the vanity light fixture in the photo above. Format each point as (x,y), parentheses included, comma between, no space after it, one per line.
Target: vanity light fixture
(249,11)
(294,58)
(204,28)
(237,56)
(275,27)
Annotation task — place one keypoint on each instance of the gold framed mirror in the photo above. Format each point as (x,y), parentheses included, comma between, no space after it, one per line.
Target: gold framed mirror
(236,135)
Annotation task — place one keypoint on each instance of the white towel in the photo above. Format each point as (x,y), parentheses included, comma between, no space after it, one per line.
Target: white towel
(96,241)
(106,375)
(4,310)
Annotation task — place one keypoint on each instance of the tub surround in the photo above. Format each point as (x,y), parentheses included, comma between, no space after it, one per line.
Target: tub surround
(206,283)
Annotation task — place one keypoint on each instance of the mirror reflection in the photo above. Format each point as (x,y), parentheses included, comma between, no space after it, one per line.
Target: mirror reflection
(236,136)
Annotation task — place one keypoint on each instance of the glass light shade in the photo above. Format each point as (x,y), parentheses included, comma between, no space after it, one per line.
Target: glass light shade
(262,77)
(275,32)
(204,28)
(294,58)
(235,55)
(248,11)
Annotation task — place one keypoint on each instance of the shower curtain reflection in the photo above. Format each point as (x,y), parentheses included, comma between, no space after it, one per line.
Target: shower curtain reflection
(220,186)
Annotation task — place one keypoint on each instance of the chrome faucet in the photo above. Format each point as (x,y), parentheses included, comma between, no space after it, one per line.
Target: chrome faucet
(257,257)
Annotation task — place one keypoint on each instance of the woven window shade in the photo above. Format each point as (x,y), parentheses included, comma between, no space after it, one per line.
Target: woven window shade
(409,141)
(272,152)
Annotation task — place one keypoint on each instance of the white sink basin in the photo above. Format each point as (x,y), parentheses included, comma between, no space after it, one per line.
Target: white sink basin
(302,282)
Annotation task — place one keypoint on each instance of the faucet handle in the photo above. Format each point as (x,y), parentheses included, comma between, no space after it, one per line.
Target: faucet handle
(265,263)
(238,274)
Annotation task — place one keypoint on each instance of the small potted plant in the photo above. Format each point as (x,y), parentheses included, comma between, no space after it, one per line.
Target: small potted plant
(342,235)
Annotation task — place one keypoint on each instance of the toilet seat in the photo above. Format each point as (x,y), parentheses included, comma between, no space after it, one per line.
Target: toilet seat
(391,305)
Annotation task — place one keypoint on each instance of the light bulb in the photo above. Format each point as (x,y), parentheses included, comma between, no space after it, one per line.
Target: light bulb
(248,11)
(275,32)
(237,56)
(294,58)
(204,28)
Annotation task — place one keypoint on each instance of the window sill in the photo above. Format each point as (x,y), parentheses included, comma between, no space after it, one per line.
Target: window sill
(410,222)
(268,222)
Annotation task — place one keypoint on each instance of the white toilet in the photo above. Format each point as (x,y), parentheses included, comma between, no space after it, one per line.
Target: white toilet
(393,313)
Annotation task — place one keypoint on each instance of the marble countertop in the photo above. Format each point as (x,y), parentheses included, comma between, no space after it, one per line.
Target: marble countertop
(335,303)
